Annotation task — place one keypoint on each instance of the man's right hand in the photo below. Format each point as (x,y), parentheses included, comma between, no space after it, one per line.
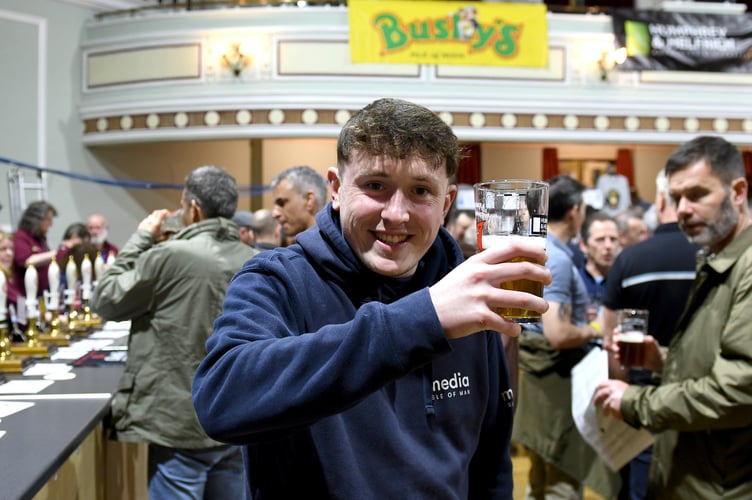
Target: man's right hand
(654,353)
(465,299)
(153,223)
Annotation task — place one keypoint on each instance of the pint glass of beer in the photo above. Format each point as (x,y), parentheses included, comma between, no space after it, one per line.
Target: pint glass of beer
(509,209)
(632,326)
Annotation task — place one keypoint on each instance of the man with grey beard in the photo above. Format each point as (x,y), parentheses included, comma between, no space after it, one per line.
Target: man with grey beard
(701,411)
(648,276)
(97,225)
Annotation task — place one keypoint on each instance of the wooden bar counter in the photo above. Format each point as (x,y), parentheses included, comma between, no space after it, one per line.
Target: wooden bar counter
(57,448)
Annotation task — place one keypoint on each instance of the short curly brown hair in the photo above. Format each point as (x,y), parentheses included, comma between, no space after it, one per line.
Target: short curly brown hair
(398,129)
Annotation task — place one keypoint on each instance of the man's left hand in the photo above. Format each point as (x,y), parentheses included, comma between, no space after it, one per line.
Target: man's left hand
(609,394)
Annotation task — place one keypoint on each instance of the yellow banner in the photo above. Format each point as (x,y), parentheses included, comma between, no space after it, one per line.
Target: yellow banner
(462,33)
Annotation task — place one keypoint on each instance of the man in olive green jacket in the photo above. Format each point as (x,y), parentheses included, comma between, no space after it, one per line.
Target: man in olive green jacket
(702,409)
(172,291)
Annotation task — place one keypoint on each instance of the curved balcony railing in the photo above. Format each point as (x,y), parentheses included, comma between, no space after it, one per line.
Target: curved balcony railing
(152,75)
(573,7)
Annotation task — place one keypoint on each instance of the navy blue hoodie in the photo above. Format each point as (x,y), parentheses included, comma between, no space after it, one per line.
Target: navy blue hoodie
(341,383)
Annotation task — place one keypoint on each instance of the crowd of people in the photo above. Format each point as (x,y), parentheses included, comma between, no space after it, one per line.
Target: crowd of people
(345,342)
(29,245)
(299,192)
(685,261)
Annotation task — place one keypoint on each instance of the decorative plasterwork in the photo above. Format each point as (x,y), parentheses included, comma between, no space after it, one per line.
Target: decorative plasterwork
(145,64)
(299,82)
(468,125)
(109,5)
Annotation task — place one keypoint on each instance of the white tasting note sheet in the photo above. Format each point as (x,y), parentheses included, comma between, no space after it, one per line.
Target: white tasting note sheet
(10,407)
(615,441)
(24,386)
(46,368)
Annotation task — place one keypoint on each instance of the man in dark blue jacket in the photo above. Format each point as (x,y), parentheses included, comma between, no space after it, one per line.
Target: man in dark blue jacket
(364,361)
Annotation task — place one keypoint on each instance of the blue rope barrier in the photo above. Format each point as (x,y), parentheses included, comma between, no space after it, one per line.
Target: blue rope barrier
(251,190)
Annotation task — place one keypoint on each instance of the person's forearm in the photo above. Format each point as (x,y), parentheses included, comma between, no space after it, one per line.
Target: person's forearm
(569,336)
(559,330)
(255,339)
(41,258)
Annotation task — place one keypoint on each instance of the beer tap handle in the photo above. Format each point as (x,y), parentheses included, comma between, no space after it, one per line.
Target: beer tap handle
(15,329)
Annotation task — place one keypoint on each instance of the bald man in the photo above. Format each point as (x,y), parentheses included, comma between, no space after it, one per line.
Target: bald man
(97,225)
(266,228)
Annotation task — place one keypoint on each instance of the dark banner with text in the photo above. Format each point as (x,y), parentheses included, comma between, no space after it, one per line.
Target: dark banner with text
(660,41)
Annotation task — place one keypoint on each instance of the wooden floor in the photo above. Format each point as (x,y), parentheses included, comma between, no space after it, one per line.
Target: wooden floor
(521,465)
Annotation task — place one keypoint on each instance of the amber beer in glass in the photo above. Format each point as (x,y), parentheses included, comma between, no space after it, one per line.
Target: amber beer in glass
(632,326)
(506,210)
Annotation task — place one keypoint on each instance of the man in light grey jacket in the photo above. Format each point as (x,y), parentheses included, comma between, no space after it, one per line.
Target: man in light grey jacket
(172,291)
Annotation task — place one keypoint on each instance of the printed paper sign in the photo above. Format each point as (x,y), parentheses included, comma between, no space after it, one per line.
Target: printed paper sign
(451,33)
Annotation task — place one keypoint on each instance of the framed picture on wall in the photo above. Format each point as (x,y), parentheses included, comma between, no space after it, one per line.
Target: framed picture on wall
(592,169)
(585,171)
(572,168)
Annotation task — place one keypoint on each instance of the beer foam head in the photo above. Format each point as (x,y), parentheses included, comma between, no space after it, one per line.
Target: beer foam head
(631,337)
(491,240)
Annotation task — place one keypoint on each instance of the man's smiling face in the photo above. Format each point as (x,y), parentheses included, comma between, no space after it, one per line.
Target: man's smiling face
(391,210)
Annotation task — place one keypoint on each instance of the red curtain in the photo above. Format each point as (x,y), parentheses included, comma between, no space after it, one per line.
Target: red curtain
(624,165)
(747,156)
(469,172)
(550,163)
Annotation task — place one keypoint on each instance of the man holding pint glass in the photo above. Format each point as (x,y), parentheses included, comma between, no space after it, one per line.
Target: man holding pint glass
(364,361)
(701,412)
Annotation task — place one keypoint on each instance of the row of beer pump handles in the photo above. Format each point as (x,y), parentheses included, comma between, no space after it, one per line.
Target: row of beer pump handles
(78,320)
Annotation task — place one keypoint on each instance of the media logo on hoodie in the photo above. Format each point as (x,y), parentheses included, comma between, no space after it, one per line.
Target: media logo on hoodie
(456,386)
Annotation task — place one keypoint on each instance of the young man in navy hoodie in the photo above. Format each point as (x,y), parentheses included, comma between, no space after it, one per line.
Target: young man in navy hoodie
(364,361)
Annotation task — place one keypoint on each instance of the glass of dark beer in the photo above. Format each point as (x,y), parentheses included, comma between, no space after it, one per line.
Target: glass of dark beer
(509,209)
(632,326)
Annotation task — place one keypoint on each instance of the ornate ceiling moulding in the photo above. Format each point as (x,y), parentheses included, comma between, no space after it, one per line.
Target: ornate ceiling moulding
(232,123)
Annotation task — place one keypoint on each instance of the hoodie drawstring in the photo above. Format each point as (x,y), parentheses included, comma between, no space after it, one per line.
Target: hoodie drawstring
(428,390)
